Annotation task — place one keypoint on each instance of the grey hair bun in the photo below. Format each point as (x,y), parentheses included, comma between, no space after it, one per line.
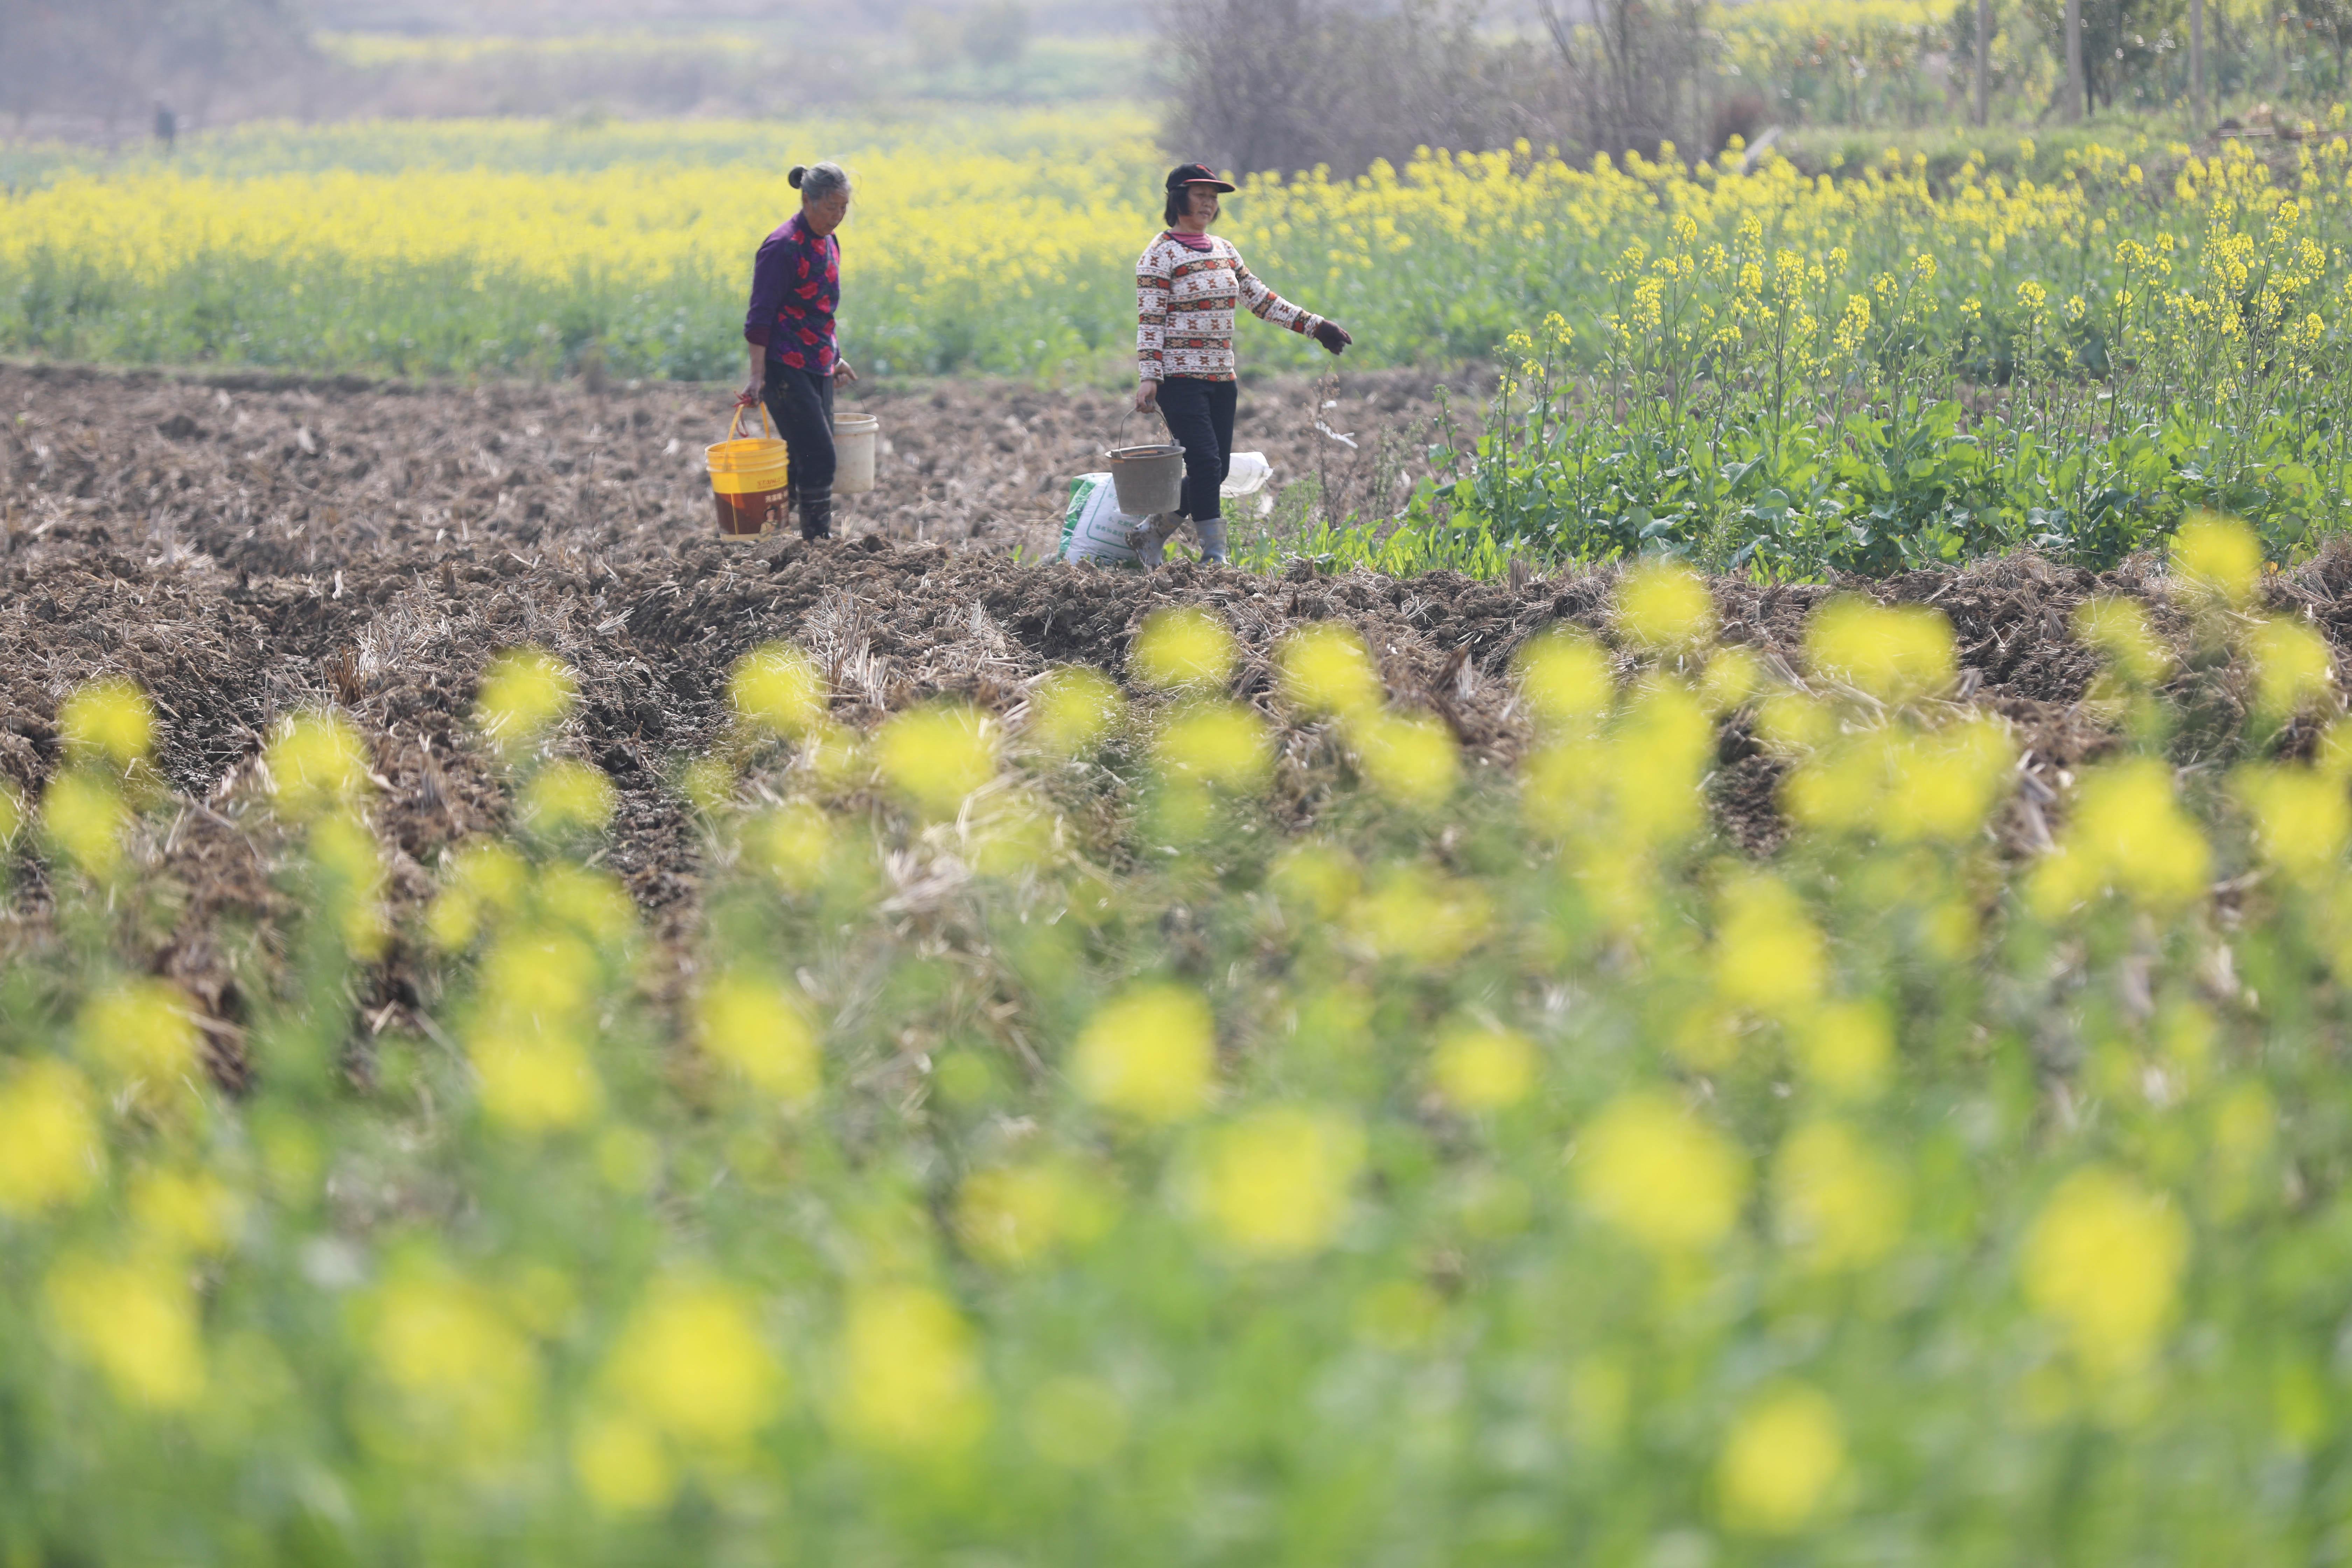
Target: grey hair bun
(817,181)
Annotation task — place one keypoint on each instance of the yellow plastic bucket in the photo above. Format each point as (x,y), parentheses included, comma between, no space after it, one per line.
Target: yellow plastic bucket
(747,480)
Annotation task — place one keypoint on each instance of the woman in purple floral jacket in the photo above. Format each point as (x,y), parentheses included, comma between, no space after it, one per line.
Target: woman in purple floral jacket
(796,288)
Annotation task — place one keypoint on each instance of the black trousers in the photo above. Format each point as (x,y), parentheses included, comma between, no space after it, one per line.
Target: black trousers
(801,403)
(1200,416)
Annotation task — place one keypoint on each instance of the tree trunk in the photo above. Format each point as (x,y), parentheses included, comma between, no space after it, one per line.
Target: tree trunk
(1984,61)
(2074,60)
(2197,68)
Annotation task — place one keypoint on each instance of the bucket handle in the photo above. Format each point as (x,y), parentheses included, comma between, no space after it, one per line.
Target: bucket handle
(1119,430)
(736,423)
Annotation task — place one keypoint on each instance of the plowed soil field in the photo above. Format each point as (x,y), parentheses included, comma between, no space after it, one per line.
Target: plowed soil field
(245,549)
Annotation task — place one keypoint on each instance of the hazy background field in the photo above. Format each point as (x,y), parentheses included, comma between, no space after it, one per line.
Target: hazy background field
(1222,79)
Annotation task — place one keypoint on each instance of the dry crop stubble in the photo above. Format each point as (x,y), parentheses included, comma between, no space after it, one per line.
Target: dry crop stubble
(188,537)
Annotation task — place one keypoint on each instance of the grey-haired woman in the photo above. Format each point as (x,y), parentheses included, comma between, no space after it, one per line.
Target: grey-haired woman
(796,288)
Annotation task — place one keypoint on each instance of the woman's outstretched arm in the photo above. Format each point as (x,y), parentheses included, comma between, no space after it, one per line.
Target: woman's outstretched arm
(1269,306)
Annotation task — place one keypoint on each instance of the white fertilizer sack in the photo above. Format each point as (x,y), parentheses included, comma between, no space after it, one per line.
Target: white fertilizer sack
(1093,529)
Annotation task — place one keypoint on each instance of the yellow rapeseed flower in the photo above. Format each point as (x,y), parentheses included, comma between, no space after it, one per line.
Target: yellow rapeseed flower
(2292,668)
(2217,558)
(2128,834)
(350,873)
(1072,709)
(1183,649)
(316,762)
(693,1365)
(180,1211)
(1662,746)
(1942,785)
(760,1027)
(1664,605)
(1732,676)
(795,844)
(2119,628)
(1418,915)
(1327,668)
(1782,1462)
(1840,1204)
(621,1464)
(1566,680)
(1895,653)
(911,1381)
(1013,1216)
(484,882)
(1315,880)
(2302,818)
(1845,1048)
(2103,1261)
(535,1083)
(568,797)
(140,1030)
(1665,1179)
(51,1149)
(1769,954)
(937,756)
(1151,1054)
(1274,1183)
(84,817)
(108,720)
(1479,1068)
(135,1322)
(587,901)
(1220,743)
(461,1370)
(1792,723)
(524,692)
(1410,759)
(777,689)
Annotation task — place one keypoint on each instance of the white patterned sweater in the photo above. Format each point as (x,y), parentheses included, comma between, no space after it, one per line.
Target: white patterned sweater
(1185,305)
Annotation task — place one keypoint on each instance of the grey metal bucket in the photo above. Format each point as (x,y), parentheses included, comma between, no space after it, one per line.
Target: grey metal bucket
(1147,479)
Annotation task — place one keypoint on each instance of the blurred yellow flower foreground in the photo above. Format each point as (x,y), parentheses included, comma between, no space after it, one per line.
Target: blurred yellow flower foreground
(1220,1114)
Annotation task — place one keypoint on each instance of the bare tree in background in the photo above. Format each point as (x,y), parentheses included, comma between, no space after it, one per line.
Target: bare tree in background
(108,60)
(1291,85)
(1637,73)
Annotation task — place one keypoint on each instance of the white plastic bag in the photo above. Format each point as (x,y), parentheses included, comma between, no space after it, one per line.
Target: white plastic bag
(1093,528)
(1245,476)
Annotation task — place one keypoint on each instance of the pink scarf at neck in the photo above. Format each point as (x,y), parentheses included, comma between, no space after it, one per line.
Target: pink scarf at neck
(1199,242)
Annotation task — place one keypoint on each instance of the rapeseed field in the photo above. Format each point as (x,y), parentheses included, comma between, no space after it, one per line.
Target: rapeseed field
(1208,1117)
(1003,243)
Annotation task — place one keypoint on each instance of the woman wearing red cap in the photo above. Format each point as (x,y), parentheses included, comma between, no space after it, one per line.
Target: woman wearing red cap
(1188,286)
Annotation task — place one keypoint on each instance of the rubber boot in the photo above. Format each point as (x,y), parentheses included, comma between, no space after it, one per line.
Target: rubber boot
(1212,540)
(817,513)
(1150,537)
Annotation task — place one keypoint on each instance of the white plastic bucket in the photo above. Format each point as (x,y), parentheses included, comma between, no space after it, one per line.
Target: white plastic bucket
(854,437)
(1147,479)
